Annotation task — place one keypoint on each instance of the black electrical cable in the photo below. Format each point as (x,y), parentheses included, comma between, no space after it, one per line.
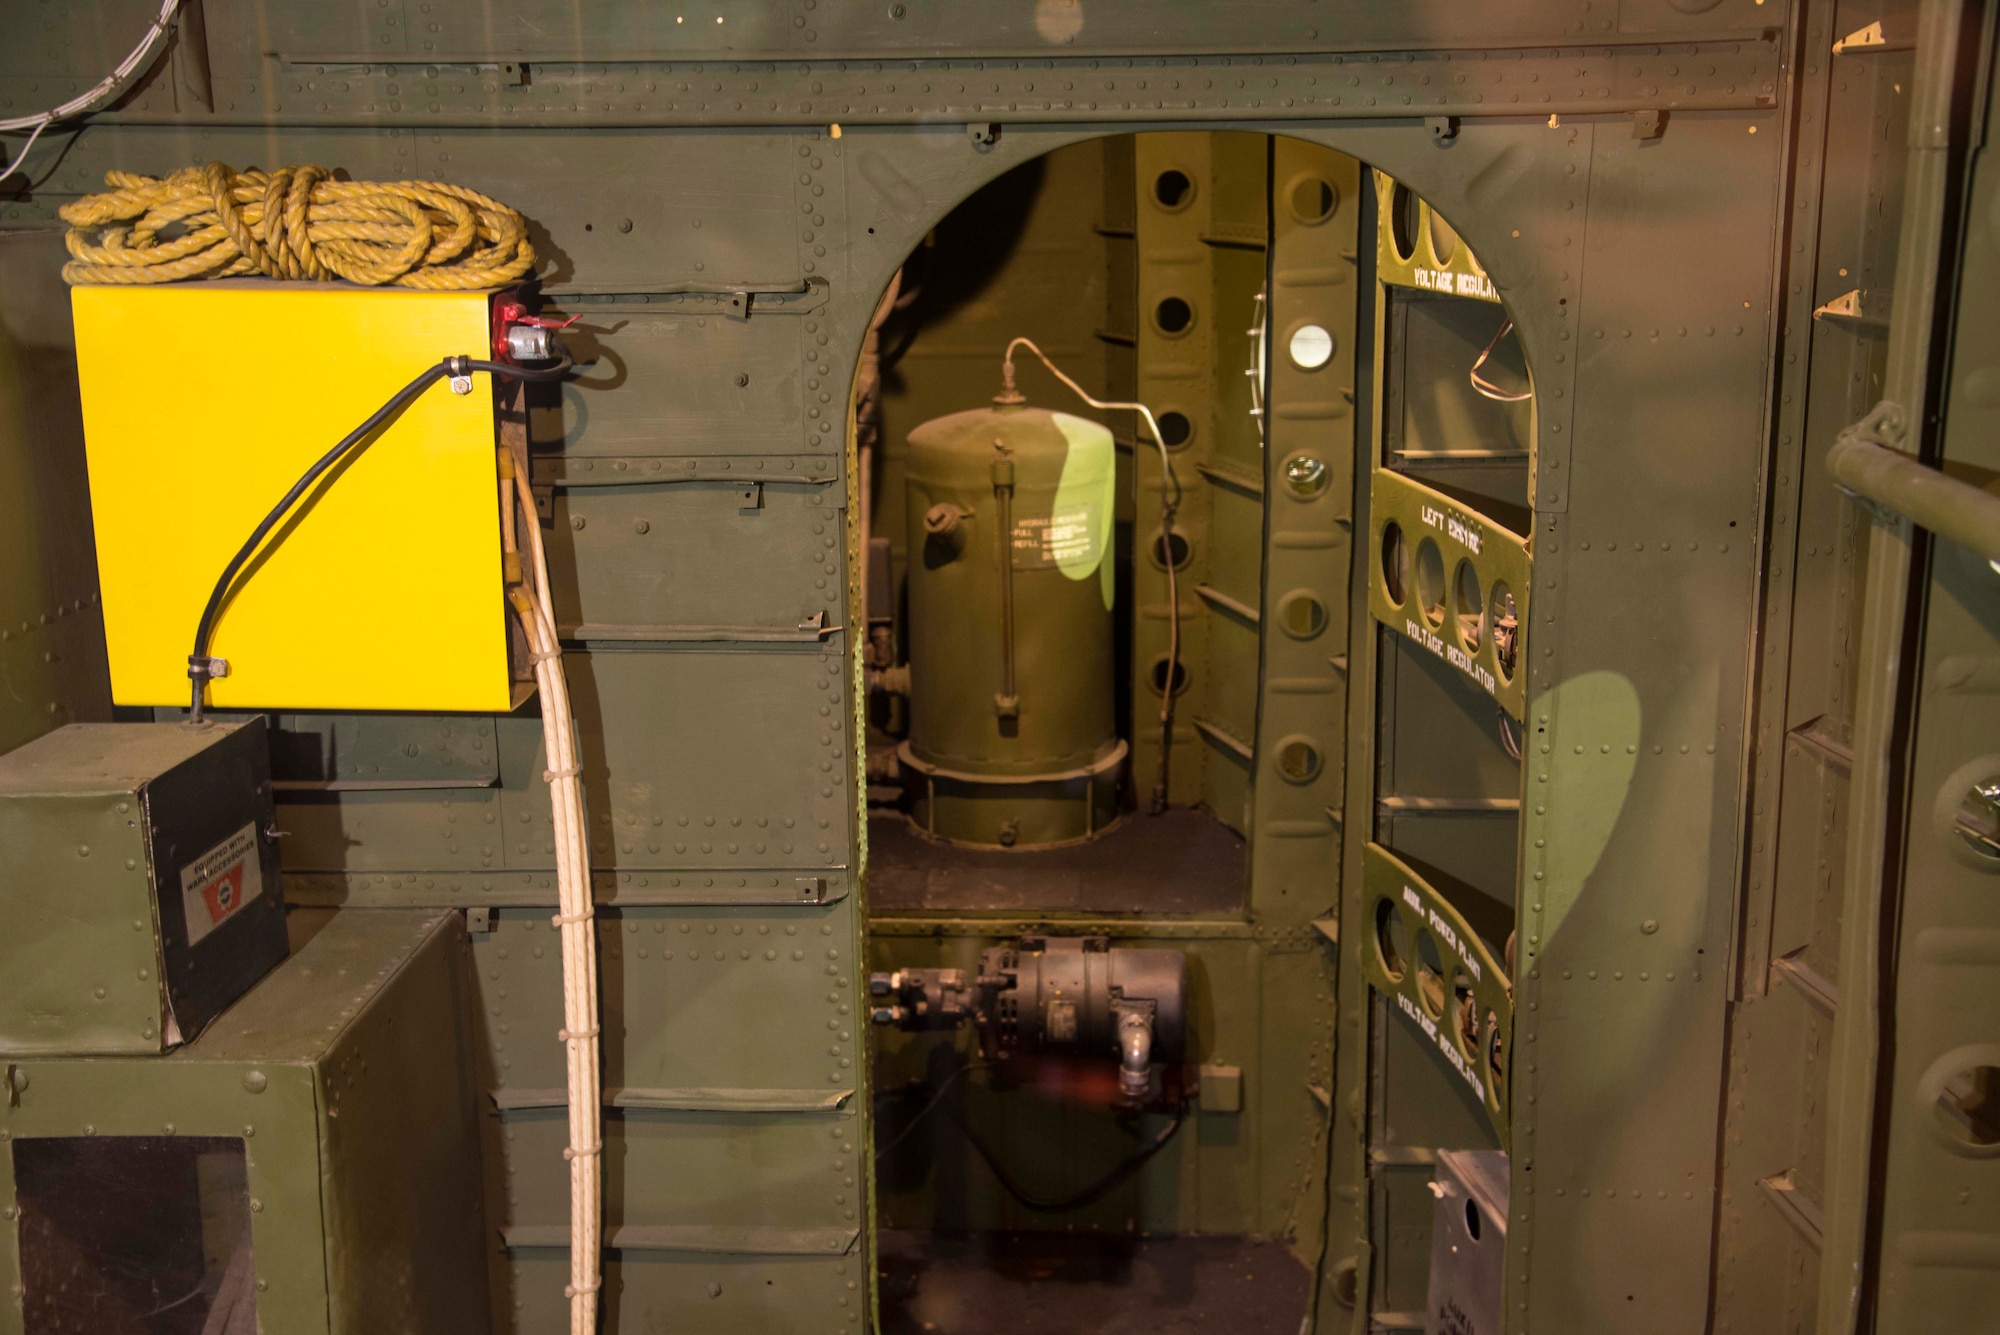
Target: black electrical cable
(944,1087)
(1089,1195)
(201,668)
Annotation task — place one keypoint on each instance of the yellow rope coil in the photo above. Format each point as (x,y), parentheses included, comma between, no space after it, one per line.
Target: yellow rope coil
(297,223)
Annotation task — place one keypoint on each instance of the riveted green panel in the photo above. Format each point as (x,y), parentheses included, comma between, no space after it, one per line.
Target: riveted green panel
(699,805)
(662,971)
(441,830)
(700,1169)
(729,379)
(51,629)
(360,751)
(627,591)
(701,1294)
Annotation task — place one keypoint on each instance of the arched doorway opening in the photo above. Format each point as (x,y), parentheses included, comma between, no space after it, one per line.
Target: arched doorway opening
(1109,660)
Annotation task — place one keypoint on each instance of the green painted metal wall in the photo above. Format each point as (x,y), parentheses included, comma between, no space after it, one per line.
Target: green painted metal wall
(666,166)
(52,663)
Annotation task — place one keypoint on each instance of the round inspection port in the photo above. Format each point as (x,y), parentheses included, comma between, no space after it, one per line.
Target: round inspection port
(1430,582)
(1967,1107)
(1404,207)
(1471,621)
(1444,238)
(1392,940)
(1301,614)
(1156,676)
(1313,199)
(1175,429)
(1298,760)
(1173,315)
(1430,975)
(1164,543)
(1173,190)
(1395,563)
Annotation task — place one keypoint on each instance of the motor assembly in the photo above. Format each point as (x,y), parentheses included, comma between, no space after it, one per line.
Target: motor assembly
(1066,995)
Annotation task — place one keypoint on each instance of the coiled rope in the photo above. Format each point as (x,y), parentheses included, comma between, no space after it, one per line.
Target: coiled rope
(293,223)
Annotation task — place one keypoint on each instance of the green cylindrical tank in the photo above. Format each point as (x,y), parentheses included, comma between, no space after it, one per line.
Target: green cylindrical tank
(1013,739)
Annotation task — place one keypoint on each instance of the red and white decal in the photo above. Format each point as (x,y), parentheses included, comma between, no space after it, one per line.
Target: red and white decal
(217,885)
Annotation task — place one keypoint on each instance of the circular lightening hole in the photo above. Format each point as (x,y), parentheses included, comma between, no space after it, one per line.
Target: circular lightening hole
(1471,624)
(1173,190)
(1395,563)
(1430,582)
(1173,315)
(1430,975)
(1392,940)
(1301,615)
(1313,200)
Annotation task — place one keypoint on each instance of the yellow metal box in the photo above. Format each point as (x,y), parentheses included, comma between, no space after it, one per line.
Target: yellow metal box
(203,403)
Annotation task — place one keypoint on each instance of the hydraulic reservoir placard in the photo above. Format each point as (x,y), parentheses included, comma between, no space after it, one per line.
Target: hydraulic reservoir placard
(203,403)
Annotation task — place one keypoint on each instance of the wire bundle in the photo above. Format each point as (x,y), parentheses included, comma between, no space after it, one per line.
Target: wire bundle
(293,223)
(99,93)
(575,918)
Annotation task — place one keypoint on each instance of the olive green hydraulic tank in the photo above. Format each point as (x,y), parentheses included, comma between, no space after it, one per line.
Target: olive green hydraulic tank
(1013,739)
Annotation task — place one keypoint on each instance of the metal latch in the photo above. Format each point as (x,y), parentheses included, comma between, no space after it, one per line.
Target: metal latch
(812,889)
(752,494)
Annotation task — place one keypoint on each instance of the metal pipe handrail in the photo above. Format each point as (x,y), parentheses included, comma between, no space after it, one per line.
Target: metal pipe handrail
(1864,462)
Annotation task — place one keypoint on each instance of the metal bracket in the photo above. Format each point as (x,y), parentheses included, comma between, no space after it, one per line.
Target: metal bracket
(812,889)
(1649,124)
(1848,306)
(739,306)
(1869,39)
(1443,129)
(1877,512)
(479,920)
(982,134)
(752,495)
(545,502)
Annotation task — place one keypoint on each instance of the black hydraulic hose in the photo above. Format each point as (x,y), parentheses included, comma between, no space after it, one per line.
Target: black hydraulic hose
(201,668)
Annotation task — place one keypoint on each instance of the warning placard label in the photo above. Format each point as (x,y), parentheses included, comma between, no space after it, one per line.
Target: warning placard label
(220,882)
(1067,537)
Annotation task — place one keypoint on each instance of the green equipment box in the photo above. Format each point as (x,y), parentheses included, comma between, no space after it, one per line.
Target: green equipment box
(141,883)
(308,1166)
